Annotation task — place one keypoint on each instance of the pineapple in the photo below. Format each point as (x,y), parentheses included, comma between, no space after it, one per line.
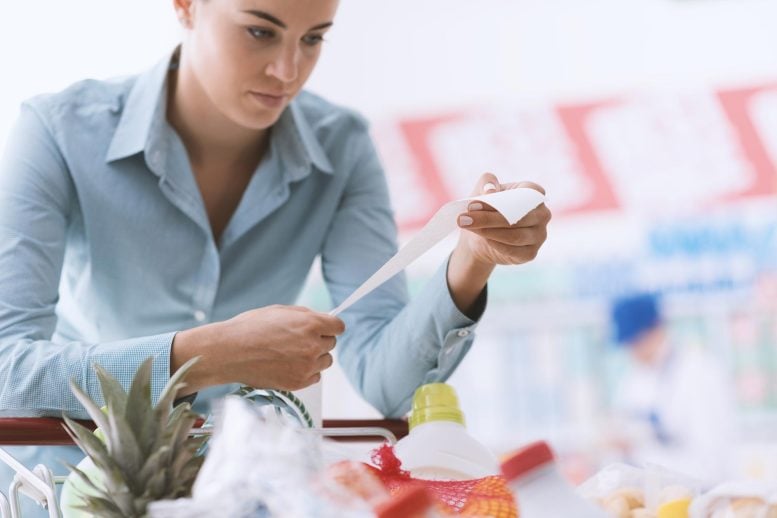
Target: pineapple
(147,453)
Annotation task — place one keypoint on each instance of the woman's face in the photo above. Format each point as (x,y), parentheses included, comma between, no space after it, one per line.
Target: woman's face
(251,57)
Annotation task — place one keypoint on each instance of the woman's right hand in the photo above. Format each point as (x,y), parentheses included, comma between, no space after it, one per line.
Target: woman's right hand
(279,347)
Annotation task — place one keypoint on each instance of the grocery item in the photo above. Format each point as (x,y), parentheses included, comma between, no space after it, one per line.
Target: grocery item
(438,446)
(262,464)
(674,508)
(651,492)
(411,502)
(144,453)
(737,499)
(540,489)
(481,497)
(350,481)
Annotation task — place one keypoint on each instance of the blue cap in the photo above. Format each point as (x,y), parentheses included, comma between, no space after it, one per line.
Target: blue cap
(634,315)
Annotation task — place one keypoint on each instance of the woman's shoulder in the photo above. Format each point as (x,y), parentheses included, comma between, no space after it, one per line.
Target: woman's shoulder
(324,115)
(83,98)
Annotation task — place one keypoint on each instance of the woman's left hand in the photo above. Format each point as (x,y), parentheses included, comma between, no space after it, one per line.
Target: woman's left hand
(488,239)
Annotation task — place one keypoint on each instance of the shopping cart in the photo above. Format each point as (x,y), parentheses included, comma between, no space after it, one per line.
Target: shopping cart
(39,483)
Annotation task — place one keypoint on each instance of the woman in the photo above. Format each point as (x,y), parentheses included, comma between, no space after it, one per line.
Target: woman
(154,215)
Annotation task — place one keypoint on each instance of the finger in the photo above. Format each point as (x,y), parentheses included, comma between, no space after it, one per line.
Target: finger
(315,378)
(487,183)
(324,362)
(487,186)
(331,326)
(329,343)
(491,219)
(478,206)
(515,236)
(530,185)
(302,309)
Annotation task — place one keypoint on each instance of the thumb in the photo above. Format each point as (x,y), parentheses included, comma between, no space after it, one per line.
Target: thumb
(531,185)
(487,183)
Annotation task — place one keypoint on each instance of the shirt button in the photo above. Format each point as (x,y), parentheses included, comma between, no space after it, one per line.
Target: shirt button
(463,333)
(199,315)
(448,350)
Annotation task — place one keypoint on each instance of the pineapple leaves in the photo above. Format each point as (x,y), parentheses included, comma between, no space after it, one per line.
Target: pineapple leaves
(147,455)
(171,389)
(101,507)
(91,407)
(123,446)
(113,393)
(156,462)
(91,486)
(138,412)
(93,447)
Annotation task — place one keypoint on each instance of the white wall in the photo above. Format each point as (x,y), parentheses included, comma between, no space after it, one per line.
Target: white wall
(406,55)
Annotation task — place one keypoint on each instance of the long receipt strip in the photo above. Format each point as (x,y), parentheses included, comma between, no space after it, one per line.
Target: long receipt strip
(513,204)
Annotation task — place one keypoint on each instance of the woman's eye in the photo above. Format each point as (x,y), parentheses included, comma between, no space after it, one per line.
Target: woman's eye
(313,39)
(259,33)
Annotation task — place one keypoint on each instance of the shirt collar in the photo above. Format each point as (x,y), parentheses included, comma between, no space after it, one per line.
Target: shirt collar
(144,116)
(295,142)
(145,106)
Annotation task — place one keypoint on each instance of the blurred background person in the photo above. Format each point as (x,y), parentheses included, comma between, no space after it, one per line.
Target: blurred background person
(674,404)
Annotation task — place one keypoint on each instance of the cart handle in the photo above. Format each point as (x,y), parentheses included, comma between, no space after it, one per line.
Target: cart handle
(50,431)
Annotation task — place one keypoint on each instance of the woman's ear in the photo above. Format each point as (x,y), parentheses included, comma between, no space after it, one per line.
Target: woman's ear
(184,10)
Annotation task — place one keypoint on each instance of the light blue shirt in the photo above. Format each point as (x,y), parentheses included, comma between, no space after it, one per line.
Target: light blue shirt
(106,250)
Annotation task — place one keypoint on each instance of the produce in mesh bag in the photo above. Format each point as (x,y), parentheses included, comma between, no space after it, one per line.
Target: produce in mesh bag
(482,497)
(347,481)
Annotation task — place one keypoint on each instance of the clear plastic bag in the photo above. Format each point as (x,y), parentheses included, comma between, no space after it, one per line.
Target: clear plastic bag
(261,464)
(741,499)
(630,492)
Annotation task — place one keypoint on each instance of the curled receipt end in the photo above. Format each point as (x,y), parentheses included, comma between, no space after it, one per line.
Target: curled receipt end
(513,204)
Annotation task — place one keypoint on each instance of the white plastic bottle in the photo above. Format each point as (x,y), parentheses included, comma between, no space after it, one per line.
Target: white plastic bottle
(438,446)
(540,490)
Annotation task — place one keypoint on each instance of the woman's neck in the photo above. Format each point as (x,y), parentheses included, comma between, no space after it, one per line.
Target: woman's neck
(206,132)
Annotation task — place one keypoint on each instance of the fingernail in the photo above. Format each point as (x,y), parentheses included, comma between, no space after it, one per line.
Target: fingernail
(465,221)
(475,206)
(489,187)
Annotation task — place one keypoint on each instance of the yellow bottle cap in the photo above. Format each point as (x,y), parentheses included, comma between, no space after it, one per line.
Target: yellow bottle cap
(675,509)
(435,402)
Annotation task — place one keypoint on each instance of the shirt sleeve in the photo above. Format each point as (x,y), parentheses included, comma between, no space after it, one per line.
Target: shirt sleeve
(36,201)
(391,345)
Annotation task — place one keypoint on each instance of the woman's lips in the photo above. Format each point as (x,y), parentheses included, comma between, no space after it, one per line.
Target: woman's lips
(270,101)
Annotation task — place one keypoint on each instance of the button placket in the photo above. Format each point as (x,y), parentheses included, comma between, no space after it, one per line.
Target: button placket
(207,283)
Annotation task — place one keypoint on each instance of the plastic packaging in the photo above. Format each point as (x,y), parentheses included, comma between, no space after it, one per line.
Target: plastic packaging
(412,502)
(737,499)
(540,489)
(261,465)
(650,492)
(438,446)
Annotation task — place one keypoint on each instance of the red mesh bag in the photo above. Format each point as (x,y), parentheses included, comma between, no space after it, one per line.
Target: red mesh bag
(488,496)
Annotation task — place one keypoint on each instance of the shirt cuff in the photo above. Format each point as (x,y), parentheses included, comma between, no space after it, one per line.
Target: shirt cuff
(123,358)
(456,331)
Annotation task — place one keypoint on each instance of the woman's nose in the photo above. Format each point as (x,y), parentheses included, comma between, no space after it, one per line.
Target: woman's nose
(285,66)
